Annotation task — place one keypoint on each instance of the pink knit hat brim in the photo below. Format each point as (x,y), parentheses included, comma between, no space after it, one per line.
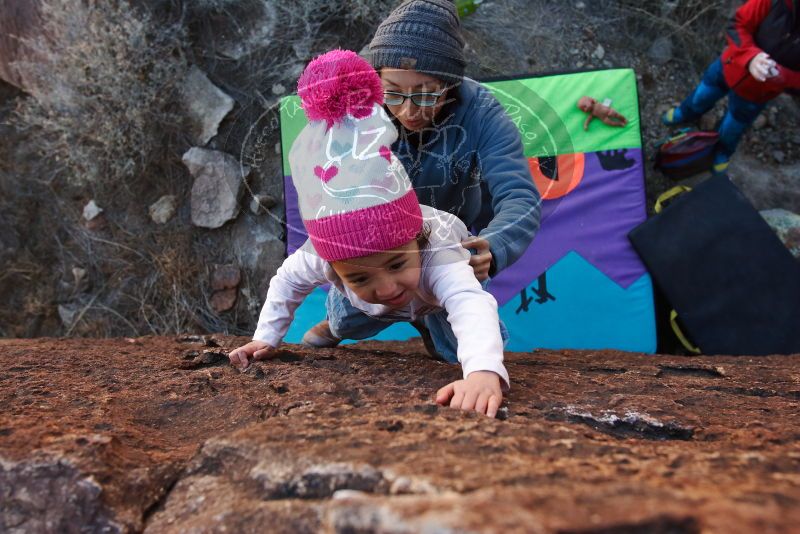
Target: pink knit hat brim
(366,231)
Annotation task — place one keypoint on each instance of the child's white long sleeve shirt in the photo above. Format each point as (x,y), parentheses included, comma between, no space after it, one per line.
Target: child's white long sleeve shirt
(446,282)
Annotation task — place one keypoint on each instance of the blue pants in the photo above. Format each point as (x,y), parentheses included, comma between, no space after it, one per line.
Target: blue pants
(740,114)
(348,322)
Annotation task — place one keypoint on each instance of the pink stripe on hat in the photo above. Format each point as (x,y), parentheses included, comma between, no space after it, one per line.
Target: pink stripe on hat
(366,231)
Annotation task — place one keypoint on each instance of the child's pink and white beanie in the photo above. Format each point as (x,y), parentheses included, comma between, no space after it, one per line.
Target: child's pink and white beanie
(355,196)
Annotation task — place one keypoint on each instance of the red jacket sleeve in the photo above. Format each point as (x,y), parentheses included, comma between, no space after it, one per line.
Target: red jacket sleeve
(742,28)
(790,77)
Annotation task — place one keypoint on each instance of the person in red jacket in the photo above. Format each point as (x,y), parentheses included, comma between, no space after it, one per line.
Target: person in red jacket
(761,61)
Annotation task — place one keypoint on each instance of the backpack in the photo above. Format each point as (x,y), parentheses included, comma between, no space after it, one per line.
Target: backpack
(686,154)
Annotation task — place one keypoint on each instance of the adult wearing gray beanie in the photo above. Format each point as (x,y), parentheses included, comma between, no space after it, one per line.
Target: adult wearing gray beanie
(460,149)
(423,35)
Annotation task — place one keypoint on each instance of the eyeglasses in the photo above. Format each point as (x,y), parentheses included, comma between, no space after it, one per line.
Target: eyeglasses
(423,100)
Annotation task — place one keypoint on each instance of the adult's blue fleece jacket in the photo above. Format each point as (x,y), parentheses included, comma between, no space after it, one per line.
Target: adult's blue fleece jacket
(470,163)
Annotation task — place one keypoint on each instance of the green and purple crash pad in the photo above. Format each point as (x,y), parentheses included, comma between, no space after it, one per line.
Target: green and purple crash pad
(580,284)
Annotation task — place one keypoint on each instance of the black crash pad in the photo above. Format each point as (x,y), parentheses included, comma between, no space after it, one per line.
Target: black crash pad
(734,285)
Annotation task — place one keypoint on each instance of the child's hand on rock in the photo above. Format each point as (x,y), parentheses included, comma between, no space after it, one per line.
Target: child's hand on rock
(480,391)
(257,350)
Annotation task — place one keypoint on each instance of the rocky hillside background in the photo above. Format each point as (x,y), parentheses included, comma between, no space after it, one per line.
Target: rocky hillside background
(126,129)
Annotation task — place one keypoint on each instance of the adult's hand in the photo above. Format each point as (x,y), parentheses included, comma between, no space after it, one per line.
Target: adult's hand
(481,261)
(760,66)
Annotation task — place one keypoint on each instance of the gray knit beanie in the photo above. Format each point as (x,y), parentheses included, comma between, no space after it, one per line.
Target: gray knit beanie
(424,35)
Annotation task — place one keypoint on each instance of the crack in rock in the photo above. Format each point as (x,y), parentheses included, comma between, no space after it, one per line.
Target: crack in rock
(319,481)
(49,494)
(208,358)
(608,370)
(662,524)
(752,392)
(703,371)
(208,341)
(280,480)
(631,424)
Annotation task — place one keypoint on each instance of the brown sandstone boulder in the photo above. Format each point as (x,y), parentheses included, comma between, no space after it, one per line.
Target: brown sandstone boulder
(162,435)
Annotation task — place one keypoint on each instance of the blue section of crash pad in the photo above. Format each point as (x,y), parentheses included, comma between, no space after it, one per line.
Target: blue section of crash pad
(312,310)
(570,320)
(578,290)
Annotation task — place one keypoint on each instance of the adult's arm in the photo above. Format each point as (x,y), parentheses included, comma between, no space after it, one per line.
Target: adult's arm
(515,200)
(295,279)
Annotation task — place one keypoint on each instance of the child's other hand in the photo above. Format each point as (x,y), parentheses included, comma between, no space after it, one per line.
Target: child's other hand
(258,350)
(480,392)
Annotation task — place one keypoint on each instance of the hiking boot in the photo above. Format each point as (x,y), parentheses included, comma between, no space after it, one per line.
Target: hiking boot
(720,164)
(427,340)
(672,117)
(320,336)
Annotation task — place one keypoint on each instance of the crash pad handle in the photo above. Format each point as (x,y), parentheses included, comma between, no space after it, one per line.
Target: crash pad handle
(673,316)
(670,193)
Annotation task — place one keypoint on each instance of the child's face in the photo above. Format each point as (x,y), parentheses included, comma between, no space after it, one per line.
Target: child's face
(390,278)
(411,116)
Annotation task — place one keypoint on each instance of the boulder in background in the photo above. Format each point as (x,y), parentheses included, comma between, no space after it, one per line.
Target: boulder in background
(217,186)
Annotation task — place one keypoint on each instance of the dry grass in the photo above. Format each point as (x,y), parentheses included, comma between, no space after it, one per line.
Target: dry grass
(101,122)
(102,84)
(696,27)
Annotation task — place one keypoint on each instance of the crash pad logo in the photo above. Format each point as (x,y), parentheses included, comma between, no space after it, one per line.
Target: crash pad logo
(556,176)
(558,170)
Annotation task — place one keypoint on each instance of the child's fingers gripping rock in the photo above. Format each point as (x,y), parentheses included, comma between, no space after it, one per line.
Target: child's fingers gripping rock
(470,400)
(494,405)
(445,393)
(241,357)
(458,398)
(238,358)
(263,354)
(482,403)
(480,388)
(458,395)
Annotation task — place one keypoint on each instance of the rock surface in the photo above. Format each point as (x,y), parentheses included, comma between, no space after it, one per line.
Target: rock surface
(259,250)
(206,105)
(660,51)
(19,22)
(225,277)
(787,225)
(223,300)
(217,188)
(162,435)
(162,210)
(91,210)
(262,203)
(766,187)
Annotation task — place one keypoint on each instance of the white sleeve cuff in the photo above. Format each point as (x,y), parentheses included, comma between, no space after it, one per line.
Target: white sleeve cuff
(488,364)
(268,336)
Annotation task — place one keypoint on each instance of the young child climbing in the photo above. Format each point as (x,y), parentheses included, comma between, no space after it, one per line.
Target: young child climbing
(371,240)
